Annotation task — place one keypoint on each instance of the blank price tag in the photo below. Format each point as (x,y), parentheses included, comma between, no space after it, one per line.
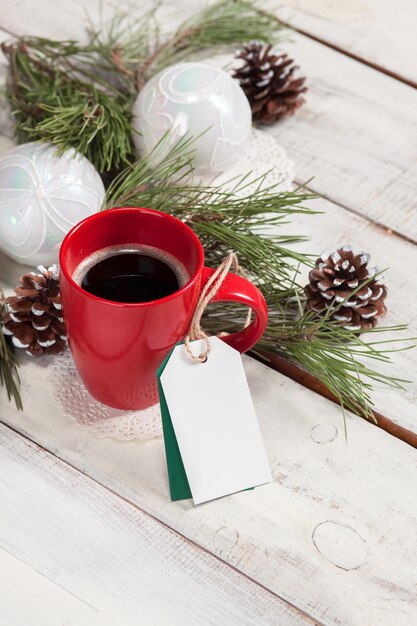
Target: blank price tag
(214,420)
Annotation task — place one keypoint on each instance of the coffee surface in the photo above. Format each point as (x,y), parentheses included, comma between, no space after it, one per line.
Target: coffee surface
(131,276)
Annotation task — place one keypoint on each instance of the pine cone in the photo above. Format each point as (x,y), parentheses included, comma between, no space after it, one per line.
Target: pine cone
(33,317)
(335,281)
(268,82)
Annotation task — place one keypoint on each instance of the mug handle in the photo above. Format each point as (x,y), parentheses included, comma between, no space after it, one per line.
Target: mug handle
(237,289)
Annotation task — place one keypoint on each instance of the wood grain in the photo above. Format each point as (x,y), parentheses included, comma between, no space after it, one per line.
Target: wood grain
(73,553)
(356,135)
(366,483)
(293,371)
(28,596)
(380,33)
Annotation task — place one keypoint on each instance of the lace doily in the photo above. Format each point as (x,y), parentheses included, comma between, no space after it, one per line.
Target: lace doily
(266,155)
(263,155)
(75,402)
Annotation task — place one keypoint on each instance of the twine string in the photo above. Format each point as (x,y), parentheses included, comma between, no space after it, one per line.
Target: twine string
(207,294)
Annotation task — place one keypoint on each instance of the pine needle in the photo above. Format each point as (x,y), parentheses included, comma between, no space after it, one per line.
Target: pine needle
(9,376)
(215,29)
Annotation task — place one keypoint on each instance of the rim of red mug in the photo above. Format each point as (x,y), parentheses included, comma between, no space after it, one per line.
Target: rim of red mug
(99,215)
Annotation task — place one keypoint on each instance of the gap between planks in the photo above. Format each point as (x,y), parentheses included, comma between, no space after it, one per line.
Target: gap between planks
(367,218)
(292,370)
(291,606)
(347,53)
(38,571)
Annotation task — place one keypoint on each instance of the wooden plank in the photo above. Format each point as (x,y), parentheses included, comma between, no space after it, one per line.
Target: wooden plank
(74,553)
(334,534)
(69,20)
(296,372)
(30,597)
(379,32)
(356,135)
(46,18)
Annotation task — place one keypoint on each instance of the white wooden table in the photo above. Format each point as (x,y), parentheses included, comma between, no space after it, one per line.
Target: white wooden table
(87,531)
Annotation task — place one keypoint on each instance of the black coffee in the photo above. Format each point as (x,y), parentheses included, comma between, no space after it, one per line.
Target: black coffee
(130,277)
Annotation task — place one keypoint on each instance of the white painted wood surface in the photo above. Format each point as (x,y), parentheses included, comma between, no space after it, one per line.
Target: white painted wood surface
(356,135)
(71,552)
(29,597)
(335,534)
(381,32)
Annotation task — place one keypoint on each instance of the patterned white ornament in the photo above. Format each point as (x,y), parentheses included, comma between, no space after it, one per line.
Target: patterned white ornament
(41,197)
(197,100)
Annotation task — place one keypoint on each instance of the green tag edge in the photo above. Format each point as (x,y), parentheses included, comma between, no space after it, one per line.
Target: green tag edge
(178,482)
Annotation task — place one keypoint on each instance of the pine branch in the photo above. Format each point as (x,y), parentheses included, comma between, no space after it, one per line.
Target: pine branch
(225,218)
(54,102)
(81,96)
(247,217)
(139,51)
(339,358)
(215,29)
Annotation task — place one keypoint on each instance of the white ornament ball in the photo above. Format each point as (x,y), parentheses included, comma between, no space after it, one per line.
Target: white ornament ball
(197,100)
(41,197)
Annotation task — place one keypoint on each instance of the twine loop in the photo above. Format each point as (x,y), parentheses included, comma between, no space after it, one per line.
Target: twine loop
(207,294)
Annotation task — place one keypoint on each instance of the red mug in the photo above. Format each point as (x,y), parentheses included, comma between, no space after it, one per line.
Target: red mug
(118,347)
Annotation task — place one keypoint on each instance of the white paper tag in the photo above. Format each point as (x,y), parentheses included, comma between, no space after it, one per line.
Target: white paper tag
(214,420)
